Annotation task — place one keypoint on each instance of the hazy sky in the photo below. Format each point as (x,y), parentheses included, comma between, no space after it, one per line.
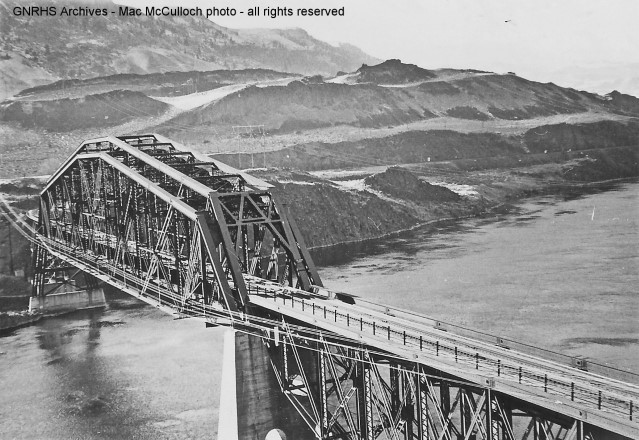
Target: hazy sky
(538,39)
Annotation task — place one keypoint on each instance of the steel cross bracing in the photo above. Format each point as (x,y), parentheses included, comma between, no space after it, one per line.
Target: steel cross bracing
(170,223)
(199,239)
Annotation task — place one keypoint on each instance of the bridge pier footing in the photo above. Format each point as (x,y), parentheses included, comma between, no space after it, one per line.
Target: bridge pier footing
(251,401)
(68,301)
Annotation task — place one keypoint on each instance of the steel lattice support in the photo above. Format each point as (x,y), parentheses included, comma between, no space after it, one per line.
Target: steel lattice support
(368,395)
(180,230)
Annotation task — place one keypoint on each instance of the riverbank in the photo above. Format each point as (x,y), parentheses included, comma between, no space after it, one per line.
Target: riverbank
(342,206)
(14,308)
(12,320)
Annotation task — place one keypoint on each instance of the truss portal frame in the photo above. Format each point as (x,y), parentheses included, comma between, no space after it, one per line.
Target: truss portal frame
(175,225)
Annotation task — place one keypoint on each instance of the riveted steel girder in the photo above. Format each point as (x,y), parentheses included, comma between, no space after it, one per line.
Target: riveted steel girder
(136,205)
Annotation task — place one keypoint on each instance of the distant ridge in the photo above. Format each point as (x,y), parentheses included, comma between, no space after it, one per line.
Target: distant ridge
(393,72)
(40,50)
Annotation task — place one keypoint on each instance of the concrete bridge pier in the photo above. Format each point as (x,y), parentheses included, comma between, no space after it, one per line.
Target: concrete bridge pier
(252,404)
(62,296)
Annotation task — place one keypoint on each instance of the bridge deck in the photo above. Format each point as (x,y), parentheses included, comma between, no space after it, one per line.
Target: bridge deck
(533,379)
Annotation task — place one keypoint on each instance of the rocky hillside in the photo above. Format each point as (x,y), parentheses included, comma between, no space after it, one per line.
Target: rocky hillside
(92,111)
(301,106)
(377,115)
(38,50)
(392,72)
(400,183)
(433,146)
(359,100)
(153,84)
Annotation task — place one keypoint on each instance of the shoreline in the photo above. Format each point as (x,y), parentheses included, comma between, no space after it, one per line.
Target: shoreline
(548,188)
(13,321)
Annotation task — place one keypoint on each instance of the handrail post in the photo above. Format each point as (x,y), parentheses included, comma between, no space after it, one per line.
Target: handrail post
(545,383)
(599,400)
(520,374)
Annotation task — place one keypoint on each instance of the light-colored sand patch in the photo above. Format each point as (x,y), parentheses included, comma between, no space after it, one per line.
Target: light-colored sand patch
(352,185)
(462,190)
(349,78)
(358,185)
(277,82)
(342,174)
(193,100)
(188,102)
(296,182)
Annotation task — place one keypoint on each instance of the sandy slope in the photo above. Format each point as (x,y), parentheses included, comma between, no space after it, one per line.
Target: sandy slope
(188,102)
(193,100)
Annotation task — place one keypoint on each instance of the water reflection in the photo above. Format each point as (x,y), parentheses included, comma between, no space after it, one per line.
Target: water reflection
(127,371)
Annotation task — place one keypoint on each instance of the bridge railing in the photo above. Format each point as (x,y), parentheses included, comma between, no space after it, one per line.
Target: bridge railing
(582,363)
(599,394)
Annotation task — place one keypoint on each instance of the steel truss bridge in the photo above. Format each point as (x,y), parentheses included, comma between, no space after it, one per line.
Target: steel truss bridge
(199,239)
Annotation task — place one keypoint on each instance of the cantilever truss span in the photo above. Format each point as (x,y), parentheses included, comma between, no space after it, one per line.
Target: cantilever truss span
(199,239)
(171,223)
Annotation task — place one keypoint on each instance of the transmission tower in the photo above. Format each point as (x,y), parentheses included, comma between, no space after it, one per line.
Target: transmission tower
(250,138)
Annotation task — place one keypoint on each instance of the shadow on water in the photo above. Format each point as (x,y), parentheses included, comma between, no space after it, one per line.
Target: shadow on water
(408,243)
(89,397)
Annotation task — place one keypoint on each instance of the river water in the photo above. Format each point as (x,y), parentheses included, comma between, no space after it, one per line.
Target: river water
(558,271)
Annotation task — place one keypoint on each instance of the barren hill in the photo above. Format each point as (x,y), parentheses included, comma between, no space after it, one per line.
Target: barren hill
(153,84)
(417,95)
(401,114)
(393,72)
(92,111)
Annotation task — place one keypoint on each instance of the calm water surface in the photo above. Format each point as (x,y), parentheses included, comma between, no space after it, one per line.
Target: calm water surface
(560,272)
(551,273)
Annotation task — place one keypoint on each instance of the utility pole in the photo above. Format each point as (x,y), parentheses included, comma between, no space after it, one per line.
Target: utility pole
(11,268)
(11,265)
(253,132)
